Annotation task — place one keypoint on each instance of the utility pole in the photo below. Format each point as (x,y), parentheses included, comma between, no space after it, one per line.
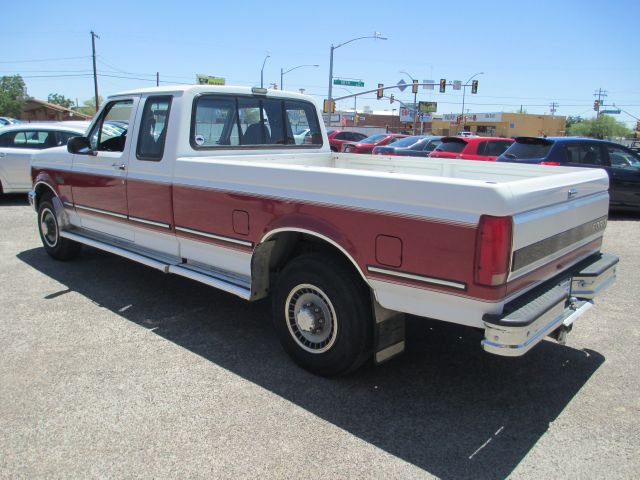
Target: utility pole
(553,106)
(95,74)
(601,94)
(157,79)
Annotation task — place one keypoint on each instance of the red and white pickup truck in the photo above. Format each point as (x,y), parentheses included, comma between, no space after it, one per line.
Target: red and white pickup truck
(209,183)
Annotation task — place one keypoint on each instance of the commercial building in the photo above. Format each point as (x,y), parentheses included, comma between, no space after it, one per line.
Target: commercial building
(500,124)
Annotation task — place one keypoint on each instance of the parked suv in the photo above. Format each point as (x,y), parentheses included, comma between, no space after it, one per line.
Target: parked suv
(621,163)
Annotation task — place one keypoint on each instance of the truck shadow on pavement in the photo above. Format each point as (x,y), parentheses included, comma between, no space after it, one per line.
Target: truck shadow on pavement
(444,406)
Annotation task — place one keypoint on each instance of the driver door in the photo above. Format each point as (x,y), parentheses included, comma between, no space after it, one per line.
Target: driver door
(99,178)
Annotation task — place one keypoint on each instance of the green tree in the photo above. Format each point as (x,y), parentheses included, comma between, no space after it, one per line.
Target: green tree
(89,106)
(603,127)
(571,120)
(61,100)
(12,95)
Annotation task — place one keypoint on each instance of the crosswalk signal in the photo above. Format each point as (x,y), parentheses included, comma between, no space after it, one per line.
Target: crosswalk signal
(474,86)
(596,105)
(414,88)
(380,92)
(443,85)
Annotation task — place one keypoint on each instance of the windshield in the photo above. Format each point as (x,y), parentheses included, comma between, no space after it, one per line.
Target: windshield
(527,151)
(372,138)
(452,147)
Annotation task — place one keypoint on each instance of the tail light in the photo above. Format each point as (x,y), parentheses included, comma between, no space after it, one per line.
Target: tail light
(555,164)
(493,250)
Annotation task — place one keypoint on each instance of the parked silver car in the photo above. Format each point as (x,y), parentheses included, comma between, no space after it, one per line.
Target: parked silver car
(18,142)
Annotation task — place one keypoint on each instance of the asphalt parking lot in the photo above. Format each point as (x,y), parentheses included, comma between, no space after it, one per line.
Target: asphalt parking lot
(110,369)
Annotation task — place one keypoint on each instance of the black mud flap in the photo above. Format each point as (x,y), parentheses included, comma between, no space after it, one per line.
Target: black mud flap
(389,333)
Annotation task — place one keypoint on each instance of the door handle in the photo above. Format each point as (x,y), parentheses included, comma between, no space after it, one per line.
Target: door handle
(120,166)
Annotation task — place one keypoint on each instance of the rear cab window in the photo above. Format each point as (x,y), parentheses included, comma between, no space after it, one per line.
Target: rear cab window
(244,121)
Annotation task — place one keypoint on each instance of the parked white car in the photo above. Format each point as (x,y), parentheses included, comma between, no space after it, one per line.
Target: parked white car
(17,144)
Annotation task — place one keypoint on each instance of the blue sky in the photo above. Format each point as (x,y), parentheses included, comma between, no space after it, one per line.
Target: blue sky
(531,53)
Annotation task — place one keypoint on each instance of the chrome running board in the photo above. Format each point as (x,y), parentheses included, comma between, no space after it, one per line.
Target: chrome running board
(223,280)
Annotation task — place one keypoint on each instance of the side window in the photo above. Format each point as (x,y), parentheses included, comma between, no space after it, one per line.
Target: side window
(31,139)
(63,137)
(110,133)
(496,148)
(482,149)
(153,128)
(585,154)
(622,159)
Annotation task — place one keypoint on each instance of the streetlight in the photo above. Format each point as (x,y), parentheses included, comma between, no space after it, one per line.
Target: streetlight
(464,91)
(262,71)
(376,35)
(415,104)
(291,69)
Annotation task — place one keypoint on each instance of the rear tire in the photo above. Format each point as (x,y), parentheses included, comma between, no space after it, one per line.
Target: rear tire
(56,246)
(322,315)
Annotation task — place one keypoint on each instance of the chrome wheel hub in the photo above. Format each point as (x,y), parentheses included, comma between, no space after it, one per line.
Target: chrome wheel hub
(49,227)
(311,318)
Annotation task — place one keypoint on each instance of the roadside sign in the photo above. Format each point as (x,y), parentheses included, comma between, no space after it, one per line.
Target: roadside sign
(348,83)
(611,112)
(457,85)
(401,85)
(208,80)
(428,107)
(335,117)
(429,84)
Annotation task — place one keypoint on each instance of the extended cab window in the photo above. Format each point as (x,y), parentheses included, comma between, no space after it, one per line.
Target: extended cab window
(248,121)
(153,128)
(110,133)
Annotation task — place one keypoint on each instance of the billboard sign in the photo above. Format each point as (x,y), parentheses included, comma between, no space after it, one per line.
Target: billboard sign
(208,80)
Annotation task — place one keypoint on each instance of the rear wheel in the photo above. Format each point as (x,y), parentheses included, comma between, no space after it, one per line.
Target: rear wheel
(56,246)
(322,314)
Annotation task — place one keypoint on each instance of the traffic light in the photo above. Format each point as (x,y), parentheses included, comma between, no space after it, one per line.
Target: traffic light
(325,106)
(596,105)
(638,126)
(443,85)
(474,86)
(392,98)
(380,92)
(414,88)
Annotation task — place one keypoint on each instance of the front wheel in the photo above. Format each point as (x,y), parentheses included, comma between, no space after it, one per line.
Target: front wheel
(322,315)
(49,229)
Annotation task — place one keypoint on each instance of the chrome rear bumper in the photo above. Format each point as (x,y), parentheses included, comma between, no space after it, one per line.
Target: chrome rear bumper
(555,305)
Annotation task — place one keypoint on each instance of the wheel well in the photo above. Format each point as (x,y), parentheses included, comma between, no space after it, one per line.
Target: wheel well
(273,254)
(42,190)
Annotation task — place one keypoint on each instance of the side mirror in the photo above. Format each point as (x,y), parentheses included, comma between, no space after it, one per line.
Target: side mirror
(79,145)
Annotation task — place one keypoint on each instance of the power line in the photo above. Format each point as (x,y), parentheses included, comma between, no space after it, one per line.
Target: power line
(45,59)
